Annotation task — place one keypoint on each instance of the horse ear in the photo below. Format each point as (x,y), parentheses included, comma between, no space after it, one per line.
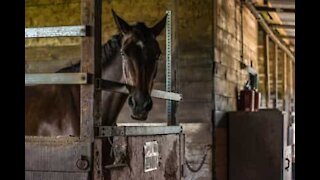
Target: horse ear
(156,29)
(122,25)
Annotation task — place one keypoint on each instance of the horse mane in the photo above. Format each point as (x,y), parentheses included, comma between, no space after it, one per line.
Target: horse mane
(109,51)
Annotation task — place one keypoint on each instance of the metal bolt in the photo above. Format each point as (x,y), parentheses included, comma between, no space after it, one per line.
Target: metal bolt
(83,163)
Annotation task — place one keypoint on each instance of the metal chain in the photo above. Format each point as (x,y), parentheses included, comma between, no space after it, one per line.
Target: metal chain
(202,161)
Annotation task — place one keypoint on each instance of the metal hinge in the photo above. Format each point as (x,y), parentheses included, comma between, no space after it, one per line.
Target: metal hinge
(98,84)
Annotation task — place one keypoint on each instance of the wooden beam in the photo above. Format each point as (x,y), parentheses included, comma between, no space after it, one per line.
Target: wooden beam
(267,70)
(90,63)
(91,95)
(275,78)
(285,26)
(267,29)
(290,86)
(287,37)
(284,82)
(293,87)
(275,9)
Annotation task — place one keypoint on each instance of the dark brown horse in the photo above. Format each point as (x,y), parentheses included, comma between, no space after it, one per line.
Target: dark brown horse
(130,57)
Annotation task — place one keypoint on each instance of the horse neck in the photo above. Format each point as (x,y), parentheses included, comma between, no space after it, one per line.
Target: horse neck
(112,103)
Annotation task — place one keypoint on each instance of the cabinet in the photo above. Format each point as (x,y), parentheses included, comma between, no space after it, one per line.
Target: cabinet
(259,147)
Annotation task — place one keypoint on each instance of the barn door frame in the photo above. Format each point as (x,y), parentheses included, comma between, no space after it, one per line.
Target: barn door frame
(79,155)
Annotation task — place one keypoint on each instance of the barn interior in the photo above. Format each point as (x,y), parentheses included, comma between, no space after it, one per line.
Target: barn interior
(216,45)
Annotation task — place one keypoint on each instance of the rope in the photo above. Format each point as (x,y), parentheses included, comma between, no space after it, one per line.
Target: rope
(202,161)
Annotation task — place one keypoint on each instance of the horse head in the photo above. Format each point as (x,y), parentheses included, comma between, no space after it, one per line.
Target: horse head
(140,53)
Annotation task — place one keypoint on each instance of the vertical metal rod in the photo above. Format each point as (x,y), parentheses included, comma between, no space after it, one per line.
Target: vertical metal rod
(169,103)
(267,70)
(275,78)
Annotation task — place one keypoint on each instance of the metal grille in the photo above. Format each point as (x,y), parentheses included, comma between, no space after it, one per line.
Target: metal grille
(151,156)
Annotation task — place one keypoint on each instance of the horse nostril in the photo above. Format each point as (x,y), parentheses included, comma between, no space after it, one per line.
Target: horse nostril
(148,104)
(131,102)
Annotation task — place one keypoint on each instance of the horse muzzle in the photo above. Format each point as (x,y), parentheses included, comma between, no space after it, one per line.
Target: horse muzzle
(140,117)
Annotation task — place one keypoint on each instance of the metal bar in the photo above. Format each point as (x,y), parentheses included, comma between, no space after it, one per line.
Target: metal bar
(56,78)
(169,103)
(109,131)
(285,26)
(123,88)
(275,9)
(166,95)
(267,70)
(62,31)
(51,140)
(275,78)
(267,29)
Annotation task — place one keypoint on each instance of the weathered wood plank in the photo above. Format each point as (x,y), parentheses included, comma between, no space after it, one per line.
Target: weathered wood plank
(224,103)
(285,85)
(226,88)
(197,91)
(56,78)
(90,63)
(62,31)
(275,77)
(41,156)
(195,74)
(48,66)
(90,94)
(267,71)
(194,111)
(197,141)
(52,53)
(169,166)
(45,175)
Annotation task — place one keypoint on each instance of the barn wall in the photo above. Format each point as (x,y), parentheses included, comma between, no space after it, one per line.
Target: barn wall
(193,52)
(228,78)
(207,36)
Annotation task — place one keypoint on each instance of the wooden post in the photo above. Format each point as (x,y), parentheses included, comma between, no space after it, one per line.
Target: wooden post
(293,87)
(90,63)
(290,85)
(284,81)
(90,94)
(275,79)
(267,70)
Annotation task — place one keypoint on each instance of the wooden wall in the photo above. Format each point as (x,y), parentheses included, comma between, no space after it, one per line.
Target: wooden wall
(192,52)
(229,79)
(207,49)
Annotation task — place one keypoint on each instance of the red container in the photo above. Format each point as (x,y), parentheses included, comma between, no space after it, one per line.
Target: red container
(257,97)
(247,100)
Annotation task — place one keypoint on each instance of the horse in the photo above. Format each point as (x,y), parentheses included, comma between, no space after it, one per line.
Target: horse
(130,56)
